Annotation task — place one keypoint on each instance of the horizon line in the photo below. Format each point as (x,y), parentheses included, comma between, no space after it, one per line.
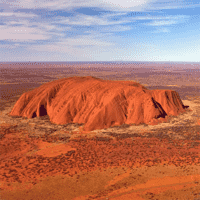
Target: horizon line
(99,61)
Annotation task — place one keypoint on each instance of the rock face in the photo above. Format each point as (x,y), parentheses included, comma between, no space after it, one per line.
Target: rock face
(97,103)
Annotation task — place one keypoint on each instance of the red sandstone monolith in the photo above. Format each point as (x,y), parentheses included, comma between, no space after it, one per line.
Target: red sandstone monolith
(97,103)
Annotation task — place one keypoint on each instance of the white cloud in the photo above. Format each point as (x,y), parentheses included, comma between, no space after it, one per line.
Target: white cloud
(70,4)
(13,22)
(125,4)
(105,20)
(161,23)
(15,14)
(169,4)
(23,29)
(116,28)
(85,41)
(50,28)
(164,20)
(169,17)
(117,5)
(86,20)
(71,43)
(22,33)
(7,46)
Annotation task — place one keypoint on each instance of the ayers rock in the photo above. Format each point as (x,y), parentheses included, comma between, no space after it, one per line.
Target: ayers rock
(97,103)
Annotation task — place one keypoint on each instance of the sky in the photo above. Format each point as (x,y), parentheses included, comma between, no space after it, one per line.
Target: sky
(100,30)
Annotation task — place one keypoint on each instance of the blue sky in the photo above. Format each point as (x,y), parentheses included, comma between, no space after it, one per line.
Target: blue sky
(100,30)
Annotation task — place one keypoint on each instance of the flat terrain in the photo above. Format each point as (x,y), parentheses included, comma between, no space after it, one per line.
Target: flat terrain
(40,160)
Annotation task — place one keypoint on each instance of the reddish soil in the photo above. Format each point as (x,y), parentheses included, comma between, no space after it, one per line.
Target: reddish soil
(141,166)
(96,168)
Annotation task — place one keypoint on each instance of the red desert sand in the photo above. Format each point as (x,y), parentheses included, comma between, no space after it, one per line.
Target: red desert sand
(137,167)
(98,103)
(131,168)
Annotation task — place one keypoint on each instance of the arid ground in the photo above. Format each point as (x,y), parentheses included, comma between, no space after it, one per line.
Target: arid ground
(40,160)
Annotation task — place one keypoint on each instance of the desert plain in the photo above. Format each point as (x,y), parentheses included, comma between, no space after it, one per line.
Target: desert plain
(42,160)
